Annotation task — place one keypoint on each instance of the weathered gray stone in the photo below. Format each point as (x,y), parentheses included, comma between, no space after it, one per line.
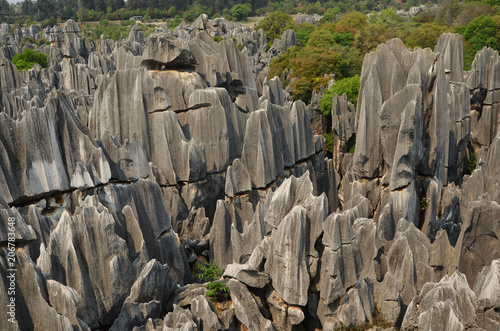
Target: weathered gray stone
(481,221)
(153,283)
(288,39)
(450,47)
(166,51)
(288,258)
(220,236)
(447,305)
(136,35)
(237,179)
(135,314)
(30,297)
(487,285)
(260,157)
(246,308)
(341,261)
(202,309)
(180,320)
(245,274)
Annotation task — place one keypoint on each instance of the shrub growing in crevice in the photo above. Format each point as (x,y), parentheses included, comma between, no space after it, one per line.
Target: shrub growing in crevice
(217,289)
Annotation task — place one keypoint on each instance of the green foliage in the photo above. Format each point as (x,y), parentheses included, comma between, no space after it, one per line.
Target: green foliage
(351,145)
(192,13)
(127,23)
(274,24)
(303,32)
(217,39)
(343,38)
(104,23)
(471,165)
(67,13)
(176,22)
(321,39)
(331,14)
(50,22)
(39,42)
(215,289)
(348,86)
(373,35)
(211,272)
(240,12)
(422,199)
(354,20)
(28,58)
(26,39)
(426,35)
(481,32)
(329,142)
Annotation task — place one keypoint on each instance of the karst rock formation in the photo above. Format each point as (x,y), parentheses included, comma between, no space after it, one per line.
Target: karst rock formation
(127,163)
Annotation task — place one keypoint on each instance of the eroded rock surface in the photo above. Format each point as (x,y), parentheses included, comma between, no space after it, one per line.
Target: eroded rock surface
(127,164)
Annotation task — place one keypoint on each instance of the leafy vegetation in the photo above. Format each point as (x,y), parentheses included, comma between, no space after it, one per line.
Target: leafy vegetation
(471,165)
(329,142)
(28,58)
(217,39)
(274,24)
(351,145)
(348,86)
(30,40)
(216,288)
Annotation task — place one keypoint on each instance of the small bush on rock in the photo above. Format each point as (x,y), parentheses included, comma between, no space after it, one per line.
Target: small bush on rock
(28,58)
(217,289)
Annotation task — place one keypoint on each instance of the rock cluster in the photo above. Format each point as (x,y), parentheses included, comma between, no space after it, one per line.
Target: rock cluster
(126,164)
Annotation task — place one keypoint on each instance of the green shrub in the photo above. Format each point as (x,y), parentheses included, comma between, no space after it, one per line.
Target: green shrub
(28,58)
(27,39)
(50,22)
(349,86)
(240,12)
(217,39)
(329,142)
(216,288)
(351,145)
(176,22)
(471,165)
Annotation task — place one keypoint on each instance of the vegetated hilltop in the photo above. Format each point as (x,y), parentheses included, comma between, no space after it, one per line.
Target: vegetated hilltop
(137,168)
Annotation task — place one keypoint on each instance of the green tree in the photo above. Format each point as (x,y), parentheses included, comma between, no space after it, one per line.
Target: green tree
(321,39)
(28,58)
(240,12)
(354,20)
(274,25)
(348,86)
(331,14)
(426,35)
(67,13)
(303,32)
(481,32)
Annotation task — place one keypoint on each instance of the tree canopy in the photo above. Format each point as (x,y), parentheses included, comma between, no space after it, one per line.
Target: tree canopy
(28,58)
(274,25)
